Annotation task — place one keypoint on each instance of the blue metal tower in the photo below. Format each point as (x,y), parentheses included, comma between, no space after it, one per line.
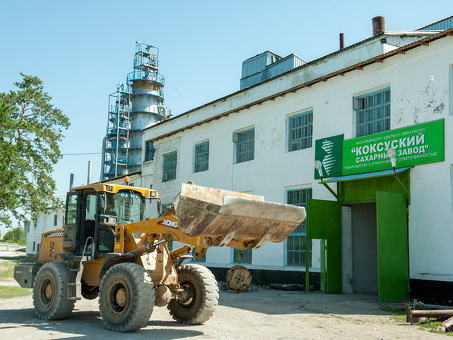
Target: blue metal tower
(134,106)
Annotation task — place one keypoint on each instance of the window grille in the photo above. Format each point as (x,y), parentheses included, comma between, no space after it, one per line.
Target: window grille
(169,166)
(300,131)
(149,151)
(296,243)
(373,112)
(201,157)
(242,256)
(245,145)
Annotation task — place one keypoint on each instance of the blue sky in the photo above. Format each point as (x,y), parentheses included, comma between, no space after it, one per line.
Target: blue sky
(81,49)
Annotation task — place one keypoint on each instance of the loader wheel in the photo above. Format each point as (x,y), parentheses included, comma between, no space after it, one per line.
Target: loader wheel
(50,292)
(126,298)
(200,298)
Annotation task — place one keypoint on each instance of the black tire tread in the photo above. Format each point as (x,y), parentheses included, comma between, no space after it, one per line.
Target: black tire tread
(209,295)
(61,307)
(142,296)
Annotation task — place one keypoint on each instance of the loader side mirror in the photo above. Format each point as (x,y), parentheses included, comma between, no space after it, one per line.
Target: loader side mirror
(108,220)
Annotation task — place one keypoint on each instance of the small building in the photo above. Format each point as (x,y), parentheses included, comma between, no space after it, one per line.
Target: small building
(34,229)
(376,120)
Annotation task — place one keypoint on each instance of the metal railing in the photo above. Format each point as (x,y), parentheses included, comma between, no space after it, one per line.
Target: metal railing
(144,75)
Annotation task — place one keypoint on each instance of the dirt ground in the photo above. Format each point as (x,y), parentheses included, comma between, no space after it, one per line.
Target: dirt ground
(258,314)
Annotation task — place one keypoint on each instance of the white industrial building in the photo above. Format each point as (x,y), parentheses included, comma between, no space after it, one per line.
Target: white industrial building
(35,228)
(373,226)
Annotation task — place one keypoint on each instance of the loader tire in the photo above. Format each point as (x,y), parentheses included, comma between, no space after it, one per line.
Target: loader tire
(126,297)
(50,292)
(201,295)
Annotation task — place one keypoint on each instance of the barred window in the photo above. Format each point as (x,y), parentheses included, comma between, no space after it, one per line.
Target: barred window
(245,145)
(169,166)
(300,131)
(242,256)
(373,112)
(201,162)
(149,151)
(297,240)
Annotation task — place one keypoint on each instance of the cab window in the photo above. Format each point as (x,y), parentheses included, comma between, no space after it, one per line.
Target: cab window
(127,205)
(71,209)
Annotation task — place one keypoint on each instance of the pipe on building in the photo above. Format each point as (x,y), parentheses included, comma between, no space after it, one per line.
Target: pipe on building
(164,108)
(341,41)
(378,25)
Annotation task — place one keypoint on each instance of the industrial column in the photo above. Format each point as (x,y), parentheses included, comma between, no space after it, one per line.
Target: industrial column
(132,108)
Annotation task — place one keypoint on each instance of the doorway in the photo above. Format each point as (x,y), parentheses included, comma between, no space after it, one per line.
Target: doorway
(364,248)
(367,236)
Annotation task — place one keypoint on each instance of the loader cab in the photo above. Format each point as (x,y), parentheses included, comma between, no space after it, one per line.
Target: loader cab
(93,211)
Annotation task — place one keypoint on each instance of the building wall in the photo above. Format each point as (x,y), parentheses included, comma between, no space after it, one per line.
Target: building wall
(420,82)
(45,222)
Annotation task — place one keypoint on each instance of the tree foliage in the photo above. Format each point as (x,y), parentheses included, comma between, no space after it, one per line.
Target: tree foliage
(15,235)
(30,130)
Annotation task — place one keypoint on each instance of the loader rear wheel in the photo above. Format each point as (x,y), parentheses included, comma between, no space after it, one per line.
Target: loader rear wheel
(50,292)
(126,298)
(200,298)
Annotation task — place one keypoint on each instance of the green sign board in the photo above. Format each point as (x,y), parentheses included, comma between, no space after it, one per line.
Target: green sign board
(413,145)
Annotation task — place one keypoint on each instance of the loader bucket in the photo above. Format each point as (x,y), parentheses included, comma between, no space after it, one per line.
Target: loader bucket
(234,219)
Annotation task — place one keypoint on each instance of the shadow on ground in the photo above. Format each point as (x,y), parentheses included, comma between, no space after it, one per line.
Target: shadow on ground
(88,324)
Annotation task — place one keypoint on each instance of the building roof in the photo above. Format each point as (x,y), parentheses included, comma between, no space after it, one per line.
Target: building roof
(436,25)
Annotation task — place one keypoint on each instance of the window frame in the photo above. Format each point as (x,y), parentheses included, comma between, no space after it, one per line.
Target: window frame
(201,157)
(169,166)
(242,256)
(299,235)
(244,148)
(150,151)
(368,116)
(303,132)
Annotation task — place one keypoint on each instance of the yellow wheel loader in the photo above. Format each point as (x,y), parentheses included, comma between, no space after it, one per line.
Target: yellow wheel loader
(114,245)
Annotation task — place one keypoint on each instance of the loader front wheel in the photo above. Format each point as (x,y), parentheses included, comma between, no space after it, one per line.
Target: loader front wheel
(200,298)
(50,292)
(126,297)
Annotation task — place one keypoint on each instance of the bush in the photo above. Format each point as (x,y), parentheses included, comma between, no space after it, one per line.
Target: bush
(16,235)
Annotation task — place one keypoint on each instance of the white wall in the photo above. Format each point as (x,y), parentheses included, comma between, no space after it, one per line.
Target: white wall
(43,223)
(420,91)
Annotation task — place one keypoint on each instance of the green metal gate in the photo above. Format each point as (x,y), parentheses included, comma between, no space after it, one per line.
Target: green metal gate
(324,222)
(392,246)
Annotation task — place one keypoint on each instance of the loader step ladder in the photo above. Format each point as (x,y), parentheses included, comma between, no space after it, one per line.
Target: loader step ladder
(74,291)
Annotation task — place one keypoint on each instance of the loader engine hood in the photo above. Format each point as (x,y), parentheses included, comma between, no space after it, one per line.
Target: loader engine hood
(234,219)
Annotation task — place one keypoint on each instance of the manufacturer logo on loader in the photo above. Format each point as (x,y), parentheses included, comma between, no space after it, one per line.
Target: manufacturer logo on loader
(55,234)
(169,223)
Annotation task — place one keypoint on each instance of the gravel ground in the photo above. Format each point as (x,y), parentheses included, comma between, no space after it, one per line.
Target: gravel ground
(259,314)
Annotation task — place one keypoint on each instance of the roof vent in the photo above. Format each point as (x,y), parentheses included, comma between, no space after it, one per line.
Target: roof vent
(378,25)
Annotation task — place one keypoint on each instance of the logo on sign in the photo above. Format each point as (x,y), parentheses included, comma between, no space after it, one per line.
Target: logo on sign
(328,161)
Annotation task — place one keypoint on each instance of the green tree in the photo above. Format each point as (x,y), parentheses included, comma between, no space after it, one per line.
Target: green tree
(16,235)
(30,130)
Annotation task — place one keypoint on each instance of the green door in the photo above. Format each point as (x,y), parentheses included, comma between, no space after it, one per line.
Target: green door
(392,246)
(324,222)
